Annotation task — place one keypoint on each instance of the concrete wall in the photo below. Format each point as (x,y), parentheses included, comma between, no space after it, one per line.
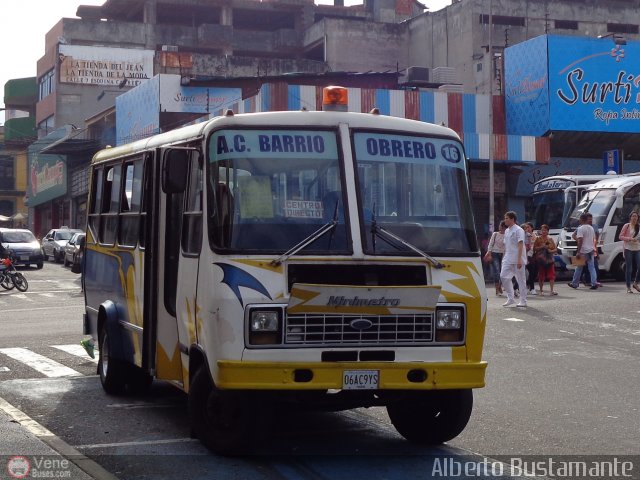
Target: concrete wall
(356,46)
(455,37)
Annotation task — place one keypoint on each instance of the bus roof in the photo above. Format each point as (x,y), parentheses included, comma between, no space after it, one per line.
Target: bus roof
(306,119)
(616,182)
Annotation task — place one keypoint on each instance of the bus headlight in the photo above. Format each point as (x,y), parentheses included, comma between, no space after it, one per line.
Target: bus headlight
(264,326)
(264,321)
(449,324)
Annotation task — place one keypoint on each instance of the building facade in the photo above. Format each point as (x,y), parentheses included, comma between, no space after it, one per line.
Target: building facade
(111,49)
(18,133)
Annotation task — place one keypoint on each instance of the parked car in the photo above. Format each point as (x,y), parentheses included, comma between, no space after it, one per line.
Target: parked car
(24,245)
(55,240)
(71,248)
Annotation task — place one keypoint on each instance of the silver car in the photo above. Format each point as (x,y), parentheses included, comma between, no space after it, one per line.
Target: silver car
(71,248)
(24,246)
(54,242)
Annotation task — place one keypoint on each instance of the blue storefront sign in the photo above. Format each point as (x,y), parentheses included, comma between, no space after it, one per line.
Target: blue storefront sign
(567,83)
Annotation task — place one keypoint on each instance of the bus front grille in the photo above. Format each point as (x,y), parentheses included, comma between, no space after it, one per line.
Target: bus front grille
(328,330)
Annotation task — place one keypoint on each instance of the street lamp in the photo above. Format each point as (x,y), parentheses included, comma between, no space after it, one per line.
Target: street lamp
(617,39)
(491,172)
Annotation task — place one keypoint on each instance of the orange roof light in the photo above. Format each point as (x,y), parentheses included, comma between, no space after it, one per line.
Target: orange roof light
(335,98)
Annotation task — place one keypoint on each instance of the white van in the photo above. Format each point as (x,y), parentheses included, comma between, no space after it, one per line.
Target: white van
(610,202)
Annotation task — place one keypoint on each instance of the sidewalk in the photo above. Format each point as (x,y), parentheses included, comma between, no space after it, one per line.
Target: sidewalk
(29,450)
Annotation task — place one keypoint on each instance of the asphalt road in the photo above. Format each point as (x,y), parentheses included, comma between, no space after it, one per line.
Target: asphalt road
(562,380)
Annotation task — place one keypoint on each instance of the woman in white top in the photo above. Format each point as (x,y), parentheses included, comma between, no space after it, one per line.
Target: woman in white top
(629,235)
(495,251)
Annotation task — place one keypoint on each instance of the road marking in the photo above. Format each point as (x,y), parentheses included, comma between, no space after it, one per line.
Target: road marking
(514,319)
(42,364)
(48,295)
(24,420)
(21,296)
(78,351)
(133,444)
(41,308)
(93,469)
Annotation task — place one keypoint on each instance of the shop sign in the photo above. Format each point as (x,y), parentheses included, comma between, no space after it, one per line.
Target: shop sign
(104,66)
(47,177)
(569,83)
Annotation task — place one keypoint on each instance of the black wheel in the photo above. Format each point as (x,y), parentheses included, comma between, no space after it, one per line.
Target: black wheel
(113,372)
(432,417)
(20,281)
(39,265)
(6,282)
(226,422)
(618,269)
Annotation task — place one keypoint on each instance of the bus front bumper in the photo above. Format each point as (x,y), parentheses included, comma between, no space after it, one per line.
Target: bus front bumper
(236,375)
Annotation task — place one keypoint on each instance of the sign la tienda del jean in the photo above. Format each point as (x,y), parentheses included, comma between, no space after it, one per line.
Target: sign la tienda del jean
(587,84)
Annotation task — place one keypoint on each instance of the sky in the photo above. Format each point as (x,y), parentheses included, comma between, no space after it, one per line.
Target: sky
(24,23)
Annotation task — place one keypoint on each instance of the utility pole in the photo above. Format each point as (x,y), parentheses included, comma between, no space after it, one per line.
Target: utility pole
(491,173)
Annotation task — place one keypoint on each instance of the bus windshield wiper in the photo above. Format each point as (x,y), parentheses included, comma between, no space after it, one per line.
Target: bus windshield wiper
(385,235)
(328,227)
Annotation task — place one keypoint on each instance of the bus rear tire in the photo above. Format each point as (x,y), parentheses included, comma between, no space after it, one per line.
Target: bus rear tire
(113,373)
(433,417)
(226,422)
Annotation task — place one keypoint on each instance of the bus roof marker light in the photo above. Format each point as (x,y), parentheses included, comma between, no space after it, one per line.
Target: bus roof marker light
(374,111)
(335,99)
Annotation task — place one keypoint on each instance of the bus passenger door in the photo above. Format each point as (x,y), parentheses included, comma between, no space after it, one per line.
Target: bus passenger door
(176,263)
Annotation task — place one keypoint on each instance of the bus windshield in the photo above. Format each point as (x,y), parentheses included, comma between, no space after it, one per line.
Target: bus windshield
(598,203)
(549,208)
(271,189)
(416,188)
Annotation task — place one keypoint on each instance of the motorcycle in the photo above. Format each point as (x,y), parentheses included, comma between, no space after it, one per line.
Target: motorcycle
(10,277)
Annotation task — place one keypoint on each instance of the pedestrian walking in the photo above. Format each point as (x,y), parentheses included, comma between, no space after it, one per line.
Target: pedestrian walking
(544,249)
(586,276)
(631,242)
(532,269)
(495,252)
(514,261)
(585,236)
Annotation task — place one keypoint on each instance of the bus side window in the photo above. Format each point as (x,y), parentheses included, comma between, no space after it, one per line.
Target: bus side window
(192,215)
(110,205)
(96,202)
(130,204)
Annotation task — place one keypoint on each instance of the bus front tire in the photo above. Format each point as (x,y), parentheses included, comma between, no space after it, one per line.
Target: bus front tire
(433,417)
(226,422)
(113,373)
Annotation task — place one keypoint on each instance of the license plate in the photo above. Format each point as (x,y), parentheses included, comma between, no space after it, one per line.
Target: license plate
(24,257)
(360,379)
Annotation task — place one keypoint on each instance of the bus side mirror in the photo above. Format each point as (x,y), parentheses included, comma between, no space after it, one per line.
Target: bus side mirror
(174,170)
